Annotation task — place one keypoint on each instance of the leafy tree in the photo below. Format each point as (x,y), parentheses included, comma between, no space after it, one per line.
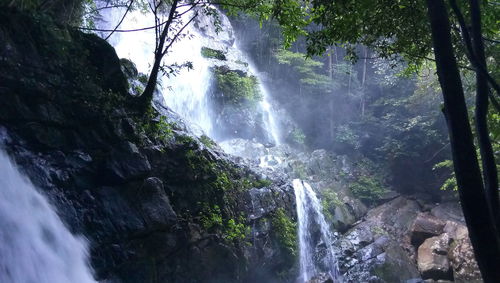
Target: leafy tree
(413,30)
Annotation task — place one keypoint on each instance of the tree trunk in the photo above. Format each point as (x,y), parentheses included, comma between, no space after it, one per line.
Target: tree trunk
(487,156)
(147,96)
(474,204)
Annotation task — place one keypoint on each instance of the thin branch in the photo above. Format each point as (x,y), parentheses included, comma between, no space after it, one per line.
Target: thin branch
(491,40)
(106,7)
(494,101)
(437,153)
(468,44)
(121,30)
(121,21)
(178,34)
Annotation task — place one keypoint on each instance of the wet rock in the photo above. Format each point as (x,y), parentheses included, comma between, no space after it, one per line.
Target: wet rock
(462,259)
(433,260)
(154,204)
(448,211)
(425,226)
(383,261)
(456,231)
(124,164)
(321,278)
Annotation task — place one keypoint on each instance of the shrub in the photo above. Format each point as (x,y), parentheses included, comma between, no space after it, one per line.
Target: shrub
(237,87)
(285,232)
(213,53)
(368,189)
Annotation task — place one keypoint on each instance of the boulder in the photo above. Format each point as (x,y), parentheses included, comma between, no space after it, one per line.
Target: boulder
(433,260)
(125,164)
(456,231)
(462,260)
(425,226)
(154,204)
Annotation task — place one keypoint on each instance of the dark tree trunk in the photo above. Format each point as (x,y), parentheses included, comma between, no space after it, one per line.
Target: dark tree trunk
(487,156)
(473,200)
(147,96)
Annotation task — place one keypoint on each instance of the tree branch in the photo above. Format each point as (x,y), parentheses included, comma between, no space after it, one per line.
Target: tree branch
(468,44)
(121,21)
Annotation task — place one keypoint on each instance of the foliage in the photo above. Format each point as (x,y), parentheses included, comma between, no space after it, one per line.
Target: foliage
(208,142)
(329,200)
(260,183)
(64,11)
(231,229)
(308,70)
(236,87)
(211,217)
(285,232)
(213,53)
(368,188)
(236,230)
(297,136)
(347,136)
(450,183)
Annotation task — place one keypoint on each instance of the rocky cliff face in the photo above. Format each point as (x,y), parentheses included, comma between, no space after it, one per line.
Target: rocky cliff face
(399,238)
(155,203)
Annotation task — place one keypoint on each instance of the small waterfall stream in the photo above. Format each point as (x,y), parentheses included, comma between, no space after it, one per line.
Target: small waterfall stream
(35,246)
(309,213)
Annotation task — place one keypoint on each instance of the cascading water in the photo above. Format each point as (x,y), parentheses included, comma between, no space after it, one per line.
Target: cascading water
(309,213)
(35,246)
(270,123)
(185,92)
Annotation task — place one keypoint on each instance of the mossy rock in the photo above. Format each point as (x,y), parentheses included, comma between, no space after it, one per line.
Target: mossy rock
(213,53)
(236,87)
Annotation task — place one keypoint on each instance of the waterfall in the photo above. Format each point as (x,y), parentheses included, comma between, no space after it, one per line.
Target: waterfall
(270,123)
(309,213)
(35,246)
(187,91)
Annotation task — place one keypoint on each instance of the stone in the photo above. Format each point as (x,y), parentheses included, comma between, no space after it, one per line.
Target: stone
(425,226)
(456,231)
(432,258)
(125,164)
(463,262)
(154,204)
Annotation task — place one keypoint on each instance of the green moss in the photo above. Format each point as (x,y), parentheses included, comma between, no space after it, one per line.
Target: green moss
(208,142)
(262,183)
(284,230)
(185,139)
(236,230)
(223,182)
(237,88)
(241,63)
(155,129)
(211,217)
(231,229)
(213,53)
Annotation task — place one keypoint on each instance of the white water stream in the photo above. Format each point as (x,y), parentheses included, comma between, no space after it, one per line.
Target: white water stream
(309,213)
(35,246)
